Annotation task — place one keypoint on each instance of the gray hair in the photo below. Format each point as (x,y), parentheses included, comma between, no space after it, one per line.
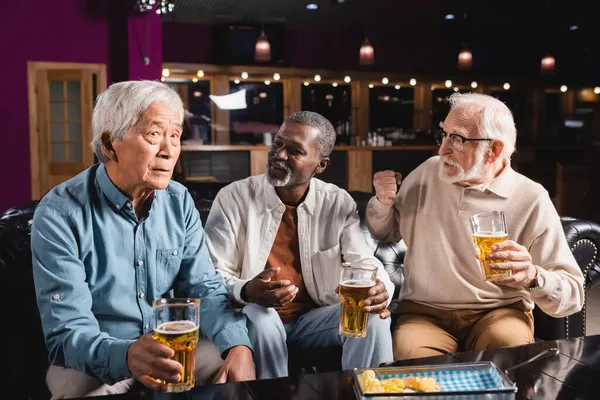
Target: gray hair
(120,107)
(495,120)
(325,140)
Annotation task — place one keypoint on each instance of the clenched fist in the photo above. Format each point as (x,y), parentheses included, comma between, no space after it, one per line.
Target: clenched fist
(385,183)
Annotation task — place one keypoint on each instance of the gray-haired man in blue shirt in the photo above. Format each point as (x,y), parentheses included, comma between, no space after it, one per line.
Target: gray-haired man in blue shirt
(121,234)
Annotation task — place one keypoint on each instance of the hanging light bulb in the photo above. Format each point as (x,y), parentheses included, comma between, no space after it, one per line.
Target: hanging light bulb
(262,50)
(366,54)
(465,60)
(547,65)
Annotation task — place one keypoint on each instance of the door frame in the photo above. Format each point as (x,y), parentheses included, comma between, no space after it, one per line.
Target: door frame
(33,67)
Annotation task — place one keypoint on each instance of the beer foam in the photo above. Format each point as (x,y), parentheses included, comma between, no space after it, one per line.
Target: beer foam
(490,234)
(176,327)
(360,283)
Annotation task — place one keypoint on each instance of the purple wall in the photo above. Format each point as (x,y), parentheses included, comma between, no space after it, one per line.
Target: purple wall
(141,46)
(37,30)
(190,43)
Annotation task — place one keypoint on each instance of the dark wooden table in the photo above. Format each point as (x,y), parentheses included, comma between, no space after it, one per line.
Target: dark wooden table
(573,374)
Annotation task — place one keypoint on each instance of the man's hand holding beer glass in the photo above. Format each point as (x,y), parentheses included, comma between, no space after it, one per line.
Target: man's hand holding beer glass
(504,261)
(148,359)
(376,302)
(516,258)
(386,185)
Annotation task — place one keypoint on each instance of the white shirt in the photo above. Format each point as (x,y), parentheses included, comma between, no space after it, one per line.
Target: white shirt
(244,220)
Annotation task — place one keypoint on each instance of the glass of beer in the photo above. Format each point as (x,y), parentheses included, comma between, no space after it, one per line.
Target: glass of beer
(488,229)
(355,282)
(176,324)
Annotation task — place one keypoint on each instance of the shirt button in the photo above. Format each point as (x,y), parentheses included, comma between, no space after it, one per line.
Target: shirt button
(141,262)
(281,208)
(56,296)
(118,206)
(272,230)
(129,205)
(142,295)
(463,207)
(174,252)
(262,258)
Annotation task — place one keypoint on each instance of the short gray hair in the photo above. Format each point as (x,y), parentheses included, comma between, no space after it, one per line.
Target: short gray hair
(325,139)
(495,120)
(120,107)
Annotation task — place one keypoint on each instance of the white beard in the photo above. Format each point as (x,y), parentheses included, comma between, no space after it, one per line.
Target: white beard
(279,182)
(473,172)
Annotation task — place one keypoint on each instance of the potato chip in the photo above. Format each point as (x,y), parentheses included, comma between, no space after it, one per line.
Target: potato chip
(393,385)
(369,383)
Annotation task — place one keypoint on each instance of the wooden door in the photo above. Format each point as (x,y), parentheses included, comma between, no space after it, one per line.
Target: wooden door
(60,145)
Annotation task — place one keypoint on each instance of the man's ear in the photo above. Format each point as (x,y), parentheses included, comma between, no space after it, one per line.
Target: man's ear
(322,165)
(495,151)
(107,147)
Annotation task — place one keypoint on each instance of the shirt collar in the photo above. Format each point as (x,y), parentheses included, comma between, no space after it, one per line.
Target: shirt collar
(504,184)
(110,190)
(271,199)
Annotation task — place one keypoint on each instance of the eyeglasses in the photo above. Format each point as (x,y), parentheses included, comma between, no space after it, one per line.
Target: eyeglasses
(457,141)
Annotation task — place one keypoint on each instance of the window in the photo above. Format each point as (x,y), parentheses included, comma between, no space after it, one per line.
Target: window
(334,103)
(391,109)
(263,112)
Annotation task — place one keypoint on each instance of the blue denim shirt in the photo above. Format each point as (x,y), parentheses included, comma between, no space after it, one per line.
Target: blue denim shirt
(97,269)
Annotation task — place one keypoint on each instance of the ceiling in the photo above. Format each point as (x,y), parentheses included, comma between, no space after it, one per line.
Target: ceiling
(567,29)
(537,17)
(292,13)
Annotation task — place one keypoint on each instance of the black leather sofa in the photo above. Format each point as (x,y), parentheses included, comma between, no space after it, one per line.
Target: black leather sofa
(29,363)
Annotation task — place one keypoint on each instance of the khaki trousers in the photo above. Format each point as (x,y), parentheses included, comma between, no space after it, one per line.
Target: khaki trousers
(423,331)
(66,383)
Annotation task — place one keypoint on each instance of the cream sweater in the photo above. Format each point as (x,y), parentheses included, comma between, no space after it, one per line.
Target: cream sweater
(441,269)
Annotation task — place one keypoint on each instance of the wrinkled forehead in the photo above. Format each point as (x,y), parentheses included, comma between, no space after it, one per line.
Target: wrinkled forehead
(298,133)
(462,121)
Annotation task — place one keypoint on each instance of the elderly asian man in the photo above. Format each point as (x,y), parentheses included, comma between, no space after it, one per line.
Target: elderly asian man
(118,236)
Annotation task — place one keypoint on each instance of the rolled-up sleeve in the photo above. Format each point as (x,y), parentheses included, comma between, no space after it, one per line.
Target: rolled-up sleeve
(198,278)
(71,331)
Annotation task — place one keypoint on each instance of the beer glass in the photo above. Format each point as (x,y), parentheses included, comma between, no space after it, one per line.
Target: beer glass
(355,282)
(176,324)
(488,229)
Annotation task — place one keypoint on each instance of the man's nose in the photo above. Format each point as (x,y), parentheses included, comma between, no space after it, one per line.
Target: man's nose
(168,150)
(445,147)
(281,153)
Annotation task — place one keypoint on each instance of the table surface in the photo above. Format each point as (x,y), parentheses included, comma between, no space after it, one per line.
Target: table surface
(573,374)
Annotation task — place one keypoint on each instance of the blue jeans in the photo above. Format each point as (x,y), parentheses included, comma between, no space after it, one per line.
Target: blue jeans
(317,328)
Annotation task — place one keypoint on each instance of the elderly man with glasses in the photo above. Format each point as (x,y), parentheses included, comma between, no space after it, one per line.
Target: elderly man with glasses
(446,304)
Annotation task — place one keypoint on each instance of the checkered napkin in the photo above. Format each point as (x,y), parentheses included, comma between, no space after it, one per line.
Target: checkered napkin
(459,380)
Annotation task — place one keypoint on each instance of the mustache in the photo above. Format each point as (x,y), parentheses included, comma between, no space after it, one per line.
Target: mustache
(450,161)
(280,165)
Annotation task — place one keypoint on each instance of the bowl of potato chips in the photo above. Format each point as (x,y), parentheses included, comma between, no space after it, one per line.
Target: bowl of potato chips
(429,380)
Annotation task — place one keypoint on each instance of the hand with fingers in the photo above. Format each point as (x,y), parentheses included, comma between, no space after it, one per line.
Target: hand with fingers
(515,258)
(376,301)
(150,363)
(237,367)
(263,290)
(386,185)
